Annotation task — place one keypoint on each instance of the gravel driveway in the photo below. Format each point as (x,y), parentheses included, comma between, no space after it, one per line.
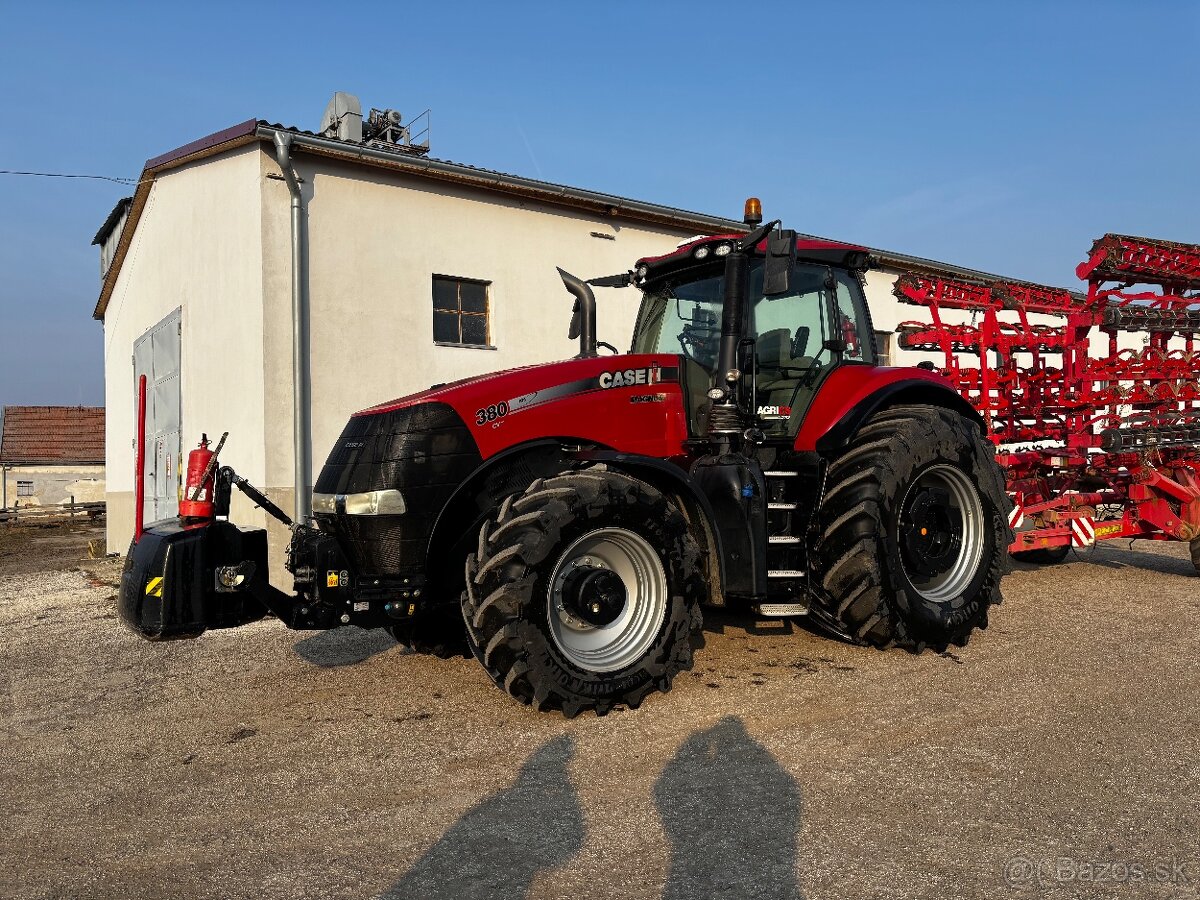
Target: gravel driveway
(1056,756)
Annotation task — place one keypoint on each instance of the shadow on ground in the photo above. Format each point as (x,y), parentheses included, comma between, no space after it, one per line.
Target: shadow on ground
(347,646)
(1117,557)
(1120,558)
(730,812)
(497,848)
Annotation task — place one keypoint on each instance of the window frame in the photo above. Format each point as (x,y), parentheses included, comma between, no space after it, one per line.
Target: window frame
(486,315)
(883,348)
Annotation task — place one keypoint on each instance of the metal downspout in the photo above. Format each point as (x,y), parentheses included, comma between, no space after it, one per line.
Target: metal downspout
(302,386)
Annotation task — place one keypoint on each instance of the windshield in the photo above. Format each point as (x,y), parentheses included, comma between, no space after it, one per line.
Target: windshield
(684,316)
(798,336)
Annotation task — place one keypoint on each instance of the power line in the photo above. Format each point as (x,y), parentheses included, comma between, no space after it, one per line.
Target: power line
(126,181)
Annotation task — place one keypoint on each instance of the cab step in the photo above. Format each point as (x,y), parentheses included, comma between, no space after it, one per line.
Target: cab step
(784,573)
(783,539)
(780,474)
(780,610)
(779,504)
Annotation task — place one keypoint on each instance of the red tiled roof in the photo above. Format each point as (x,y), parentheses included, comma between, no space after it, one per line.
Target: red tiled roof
(31,435)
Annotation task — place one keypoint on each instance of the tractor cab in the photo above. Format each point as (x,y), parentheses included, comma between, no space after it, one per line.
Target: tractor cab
(793,330)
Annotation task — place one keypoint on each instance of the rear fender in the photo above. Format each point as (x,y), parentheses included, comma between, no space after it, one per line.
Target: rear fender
(835,419)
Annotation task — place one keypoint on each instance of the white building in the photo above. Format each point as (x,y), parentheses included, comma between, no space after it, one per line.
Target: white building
(416,271)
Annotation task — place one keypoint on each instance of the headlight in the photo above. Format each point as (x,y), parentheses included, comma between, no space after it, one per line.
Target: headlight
(700,252)
(369,503)
(723,249)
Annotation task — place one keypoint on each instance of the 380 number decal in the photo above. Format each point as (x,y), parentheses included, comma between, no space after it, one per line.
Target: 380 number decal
(491,413)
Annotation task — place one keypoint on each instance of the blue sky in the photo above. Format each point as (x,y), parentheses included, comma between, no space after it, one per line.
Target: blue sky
(1004,136)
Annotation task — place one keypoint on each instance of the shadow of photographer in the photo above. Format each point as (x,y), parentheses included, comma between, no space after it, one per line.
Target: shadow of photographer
(498,847)
(730,811)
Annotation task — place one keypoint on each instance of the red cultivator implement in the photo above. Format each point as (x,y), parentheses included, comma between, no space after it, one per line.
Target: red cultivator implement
(1096,413)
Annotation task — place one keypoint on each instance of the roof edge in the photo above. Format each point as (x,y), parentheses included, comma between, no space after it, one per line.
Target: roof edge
(211,145)
(111,222)
(597,201)
(60,461)
(594,201)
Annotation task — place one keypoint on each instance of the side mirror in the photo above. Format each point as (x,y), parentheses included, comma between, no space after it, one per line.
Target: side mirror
(781,259)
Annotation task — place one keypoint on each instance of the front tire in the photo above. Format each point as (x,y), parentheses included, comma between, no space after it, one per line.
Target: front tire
(584,593)
(913,532)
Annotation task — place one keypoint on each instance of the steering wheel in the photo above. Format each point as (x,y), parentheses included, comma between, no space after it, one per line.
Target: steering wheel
(699,350)
(607,346)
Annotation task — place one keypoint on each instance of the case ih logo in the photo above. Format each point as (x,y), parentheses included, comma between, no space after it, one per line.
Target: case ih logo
(630,377)
(774,412)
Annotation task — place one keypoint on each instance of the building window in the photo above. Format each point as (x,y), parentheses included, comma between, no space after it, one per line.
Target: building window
(460,312)
(24,488)
(883,348)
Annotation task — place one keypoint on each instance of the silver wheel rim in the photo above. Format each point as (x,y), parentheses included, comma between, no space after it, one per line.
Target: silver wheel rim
(626,639)
(964,503)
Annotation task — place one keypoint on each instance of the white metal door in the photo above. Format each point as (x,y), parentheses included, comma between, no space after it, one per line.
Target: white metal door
(156,354)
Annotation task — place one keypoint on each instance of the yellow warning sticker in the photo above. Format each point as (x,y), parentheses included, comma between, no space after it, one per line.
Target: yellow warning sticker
(154,587)
(331,578)
(1105,530)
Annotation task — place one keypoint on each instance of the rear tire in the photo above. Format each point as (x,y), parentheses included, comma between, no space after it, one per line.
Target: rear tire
(1194,546)
(913,532)
(592,544)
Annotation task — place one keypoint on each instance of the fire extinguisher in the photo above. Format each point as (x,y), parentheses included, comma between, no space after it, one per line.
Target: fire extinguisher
(197,502)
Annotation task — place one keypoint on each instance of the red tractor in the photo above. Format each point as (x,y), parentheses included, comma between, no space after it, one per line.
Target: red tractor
(566,523)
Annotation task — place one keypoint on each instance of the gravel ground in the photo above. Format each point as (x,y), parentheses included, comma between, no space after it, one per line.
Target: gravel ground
(1056,756)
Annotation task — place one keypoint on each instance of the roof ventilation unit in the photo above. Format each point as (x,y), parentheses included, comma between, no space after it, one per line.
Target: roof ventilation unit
(343,118)
(384,129)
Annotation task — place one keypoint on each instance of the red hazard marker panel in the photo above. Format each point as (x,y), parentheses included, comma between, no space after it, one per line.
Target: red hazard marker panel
(1016,517)
(1083,532)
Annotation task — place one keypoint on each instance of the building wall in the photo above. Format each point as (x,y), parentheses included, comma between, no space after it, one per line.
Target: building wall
(54,484)
(375,241)
(197,246)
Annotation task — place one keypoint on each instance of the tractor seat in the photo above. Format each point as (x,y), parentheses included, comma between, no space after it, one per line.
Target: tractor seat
(777,369)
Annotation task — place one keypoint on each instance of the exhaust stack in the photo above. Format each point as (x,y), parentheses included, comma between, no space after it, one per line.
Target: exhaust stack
(583,322)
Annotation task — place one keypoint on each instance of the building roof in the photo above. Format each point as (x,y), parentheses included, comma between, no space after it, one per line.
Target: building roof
(111,222)
(260,130)
(52,435)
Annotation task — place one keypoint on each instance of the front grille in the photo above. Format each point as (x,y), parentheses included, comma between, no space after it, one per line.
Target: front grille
(423,451)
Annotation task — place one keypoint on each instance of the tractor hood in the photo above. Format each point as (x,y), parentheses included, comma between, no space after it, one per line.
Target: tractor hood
(630,402)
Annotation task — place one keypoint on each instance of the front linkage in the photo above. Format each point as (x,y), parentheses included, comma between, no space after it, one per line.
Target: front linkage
(184,576)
